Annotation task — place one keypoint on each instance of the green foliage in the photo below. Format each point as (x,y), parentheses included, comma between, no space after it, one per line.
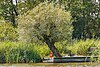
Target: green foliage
(85,14)
(8,11)
(62,47)
(45,21)
(24,6)
(12,52)
(81,47)
(7,32)
(43,50)
(86,18)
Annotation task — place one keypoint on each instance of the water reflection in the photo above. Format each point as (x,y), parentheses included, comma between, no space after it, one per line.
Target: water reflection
(52,65)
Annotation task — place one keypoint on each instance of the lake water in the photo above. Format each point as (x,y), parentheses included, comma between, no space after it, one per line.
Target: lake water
(52,65)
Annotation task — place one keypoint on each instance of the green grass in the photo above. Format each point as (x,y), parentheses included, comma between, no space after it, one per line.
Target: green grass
(15,52)
(12,52)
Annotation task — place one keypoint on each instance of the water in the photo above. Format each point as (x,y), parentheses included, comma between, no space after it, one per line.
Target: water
(52,65)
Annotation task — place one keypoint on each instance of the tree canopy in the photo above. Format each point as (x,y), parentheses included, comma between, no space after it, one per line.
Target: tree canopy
(85,14)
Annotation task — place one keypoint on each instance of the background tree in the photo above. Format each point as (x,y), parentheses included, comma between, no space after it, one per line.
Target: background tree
(47,23)
(25,5)
(85,14)
(8,10)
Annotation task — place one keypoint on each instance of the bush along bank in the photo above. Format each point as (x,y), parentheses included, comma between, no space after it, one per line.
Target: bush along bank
(12,52)
(82,47)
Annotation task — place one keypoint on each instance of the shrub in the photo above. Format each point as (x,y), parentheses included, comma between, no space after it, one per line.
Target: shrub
(43,50)
(82,46)
(7,32)
(62,48)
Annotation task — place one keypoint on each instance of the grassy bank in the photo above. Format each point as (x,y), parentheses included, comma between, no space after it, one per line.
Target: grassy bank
(14,52)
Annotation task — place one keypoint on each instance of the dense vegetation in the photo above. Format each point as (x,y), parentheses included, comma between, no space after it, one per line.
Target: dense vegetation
(13,52)
(29,27)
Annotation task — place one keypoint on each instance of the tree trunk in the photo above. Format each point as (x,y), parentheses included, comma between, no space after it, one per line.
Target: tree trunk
(53,49)
(14,13)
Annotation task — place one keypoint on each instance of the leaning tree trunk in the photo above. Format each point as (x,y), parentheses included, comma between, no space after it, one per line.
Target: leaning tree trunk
(53,49)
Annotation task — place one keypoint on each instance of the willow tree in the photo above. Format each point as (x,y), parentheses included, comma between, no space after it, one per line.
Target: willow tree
(46,22)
